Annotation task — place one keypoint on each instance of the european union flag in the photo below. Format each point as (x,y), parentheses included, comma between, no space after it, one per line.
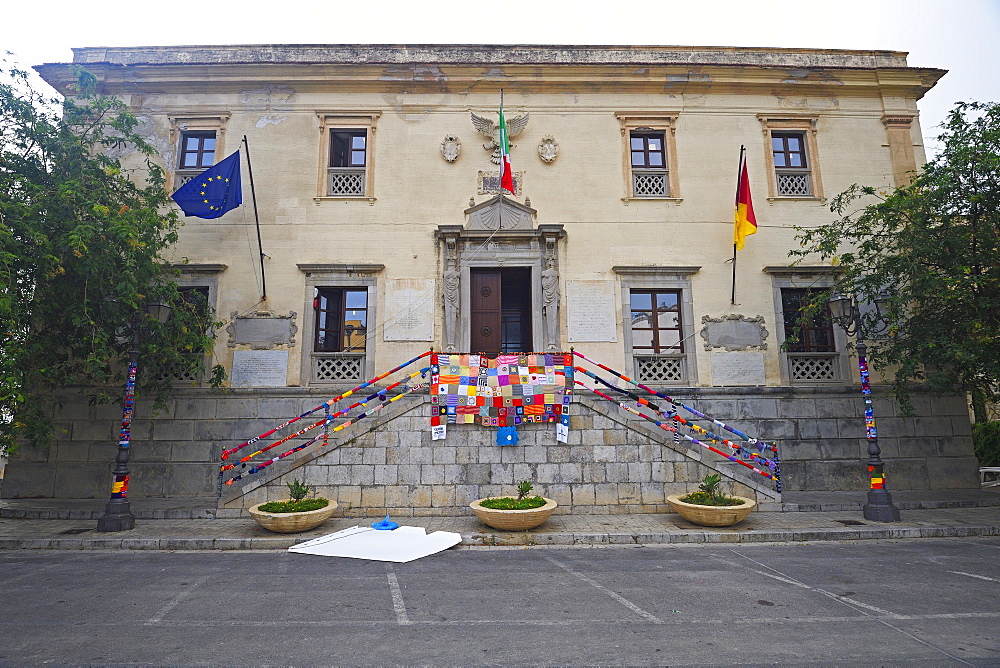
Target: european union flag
(213,192)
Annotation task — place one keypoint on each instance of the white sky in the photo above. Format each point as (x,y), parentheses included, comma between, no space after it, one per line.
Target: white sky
(957,35)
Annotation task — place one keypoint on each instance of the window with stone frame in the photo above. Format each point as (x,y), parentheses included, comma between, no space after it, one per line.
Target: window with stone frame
(346,155)
(805,335)
(657,320)
(339,314)
(647,156)
(791,164)
(199,142)
(809,347)
(195,304)
(792,157)
(348,151)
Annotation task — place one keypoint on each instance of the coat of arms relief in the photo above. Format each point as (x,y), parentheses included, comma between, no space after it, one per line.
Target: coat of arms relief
(491,130)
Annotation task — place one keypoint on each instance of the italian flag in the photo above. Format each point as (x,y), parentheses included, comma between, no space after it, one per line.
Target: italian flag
(506,176)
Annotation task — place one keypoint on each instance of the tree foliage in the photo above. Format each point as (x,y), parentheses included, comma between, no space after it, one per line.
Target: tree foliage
(81,238)
(934,247)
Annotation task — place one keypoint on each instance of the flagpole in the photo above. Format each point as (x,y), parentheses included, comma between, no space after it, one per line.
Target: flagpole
(739,175)
(500,205)
(260,247)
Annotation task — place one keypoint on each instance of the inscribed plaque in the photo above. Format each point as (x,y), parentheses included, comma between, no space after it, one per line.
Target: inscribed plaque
(260,368)
(737,369)
(734,332)
(591,311)
(409,303)
(262,332)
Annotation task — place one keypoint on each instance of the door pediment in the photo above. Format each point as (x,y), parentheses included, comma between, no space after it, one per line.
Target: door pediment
(500,213)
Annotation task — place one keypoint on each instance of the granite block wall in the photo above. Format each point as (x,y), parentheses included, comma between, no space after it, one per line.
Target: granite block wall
(613,462)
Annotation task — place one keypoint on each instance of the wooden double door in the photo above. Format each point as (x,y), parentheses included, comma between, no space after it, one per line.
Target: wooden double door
(500,310)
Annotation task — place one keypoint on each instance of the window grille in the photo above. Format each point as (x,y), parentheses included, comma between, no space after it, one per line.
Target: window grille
(813,367)
(187,376)
(345,181)
(649,183)
(182,176)
(660,368)
(338,367)
(794,183)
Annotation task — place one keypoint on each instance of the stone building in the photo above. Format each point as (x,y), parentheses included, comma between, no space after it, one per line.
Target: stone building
(376,182)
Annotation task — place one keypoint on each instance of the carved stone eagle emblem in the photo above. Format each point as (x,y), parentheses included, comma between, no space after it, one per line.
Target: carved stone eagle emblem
(491,131)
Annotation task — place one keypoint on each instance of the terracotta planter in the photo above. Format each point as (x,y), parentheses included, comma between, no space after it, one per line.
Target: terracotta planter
(292,522)
(513,520)
(711,516)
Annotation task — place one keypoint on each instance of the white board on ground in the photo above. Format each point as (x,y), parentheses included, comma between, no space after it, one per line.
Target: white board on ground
(399,545)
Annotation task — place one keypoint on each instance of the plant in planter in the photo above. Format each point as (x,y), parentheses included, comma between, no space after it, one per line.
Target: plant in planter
(514,514)
(297,513)
(709,506)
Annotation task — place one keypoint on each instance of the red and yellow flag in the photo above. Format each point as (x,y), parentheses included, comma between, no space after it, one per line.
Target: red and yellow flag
(746,222)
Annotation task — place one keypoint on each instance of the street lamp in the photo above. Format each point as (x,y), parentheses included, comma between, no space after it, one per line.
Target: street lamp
(118,513)
(847,314)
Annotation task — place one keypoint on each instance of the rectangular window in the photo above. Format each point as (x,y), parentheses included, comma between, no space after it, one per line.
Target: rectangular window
(347,155)
(656,322)
(791,166)
(197,150)
(647,150)
(347,148)
(649,164)
(814,335)
(649,154)
(348,162)
(195,299)
(792,154)
(341,319)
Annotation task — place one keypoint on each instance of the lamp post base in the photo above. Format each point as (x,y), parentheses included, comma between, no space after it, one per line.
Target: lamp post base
(879,507)
(117,516)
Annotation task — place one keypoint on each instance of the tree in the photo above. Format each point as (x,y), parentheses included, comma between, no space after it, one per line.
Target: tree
(934,247)
(81,238)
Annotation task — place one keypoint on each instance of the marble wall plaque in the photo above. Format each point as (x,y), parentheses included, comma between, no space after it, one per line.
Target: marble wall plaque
(730,369)
(262,332)
(260,368)
(409,305)
(734,332)
(591,312)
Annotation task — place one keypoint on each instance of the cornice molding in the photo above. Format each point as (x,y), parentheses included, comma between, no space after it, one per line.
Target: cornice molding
(455,67)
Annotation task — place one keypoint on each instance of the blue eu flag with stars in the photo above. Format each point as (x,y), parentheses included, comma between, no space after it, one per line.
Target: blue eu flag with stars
(213,192)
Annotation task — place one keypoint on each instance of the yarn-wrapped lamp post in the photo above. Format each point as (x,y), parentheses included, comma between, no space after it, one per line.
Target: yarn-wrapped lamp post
(847,314)
(118,512)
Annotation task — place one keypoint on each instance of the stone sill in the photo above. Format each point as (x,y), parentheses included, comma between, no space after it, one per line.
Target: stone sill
(675,200)
(345,198)
(772,200)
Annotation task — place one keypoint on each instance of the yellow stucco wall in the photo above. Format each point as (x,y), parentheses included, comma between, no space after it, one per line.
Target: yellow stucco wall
(718,107)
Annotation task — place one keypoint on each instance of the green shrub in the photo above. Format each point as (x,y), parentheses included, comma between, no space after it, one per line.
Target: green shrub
(986,439)
(510,503)
(523,488)
(300,506)
(297,490)
(709,494)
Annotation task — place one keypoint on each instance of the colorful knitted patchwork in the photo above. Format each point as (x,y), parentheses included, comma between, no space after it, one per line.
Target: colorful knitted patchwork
(504,391)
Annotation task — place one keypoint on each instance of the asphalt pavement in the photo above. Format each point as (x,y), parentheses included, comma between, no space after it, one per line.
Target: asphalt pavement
(928,602)
(194,524)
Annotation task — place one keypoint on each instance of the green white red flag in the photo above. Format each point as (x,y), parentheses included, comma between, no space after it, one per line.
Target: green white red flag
(506,175)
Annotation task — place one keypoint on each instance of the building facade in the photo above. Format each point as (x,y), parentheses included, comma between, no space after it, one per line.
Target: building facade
(384,235)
